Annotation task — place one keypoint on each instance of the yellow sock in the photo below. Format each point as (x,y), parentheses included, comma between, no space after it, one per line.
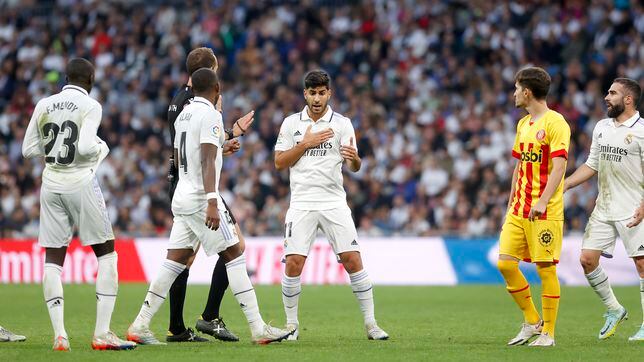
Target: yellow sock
(549,296)
(519,289)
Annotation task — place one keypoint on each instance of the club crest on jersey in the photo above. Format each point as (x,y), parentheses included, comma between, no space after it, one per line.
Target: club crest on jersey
(628,139)
(545,237)
(216,131)
(541,135)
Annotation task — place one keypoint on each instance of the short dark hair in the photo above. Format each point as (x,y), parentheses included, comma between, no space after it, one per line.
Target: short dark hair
(536,80)
(632,88)
(317,78)
(79,70)
(200,58)
(204,80)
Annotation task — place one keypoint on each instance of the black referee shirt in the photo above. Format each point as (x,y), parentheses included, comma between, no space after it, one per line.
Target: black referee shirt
(183,97)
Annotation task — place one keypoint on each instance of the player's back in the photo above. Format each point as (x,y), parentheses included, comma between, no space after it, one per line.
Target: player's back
(198,123)
(59,120)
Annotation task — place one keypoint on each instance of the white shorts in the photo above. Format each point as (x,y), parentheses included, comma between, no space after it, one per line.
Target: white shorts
(601,235)
(84,208)
(302,226)
(189,231)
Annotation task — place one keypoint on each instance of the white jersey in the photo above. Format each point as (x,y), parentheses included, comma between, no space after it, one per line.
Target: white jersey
(198,123)
(316,178)
(63,129)
(617,154)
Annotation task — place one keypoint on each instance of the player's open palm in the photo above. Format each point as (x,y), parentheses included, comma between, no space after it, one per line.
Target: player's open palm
(349,152)
(241,125)
(314,139)
(637,218)
(212,217)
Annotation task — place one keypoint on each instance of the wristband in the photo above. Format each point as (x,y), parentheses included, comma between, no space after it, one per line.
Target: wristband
(229,133)
(211,195)
(240,127)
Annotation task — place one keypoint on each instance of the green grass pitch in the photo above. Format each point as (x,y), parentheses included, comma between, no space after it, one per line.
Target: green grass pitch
(425,323)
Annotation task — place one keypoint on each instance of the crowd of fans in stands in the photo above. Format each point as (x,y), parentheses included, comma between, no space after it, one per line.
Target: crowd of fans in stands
(427,84)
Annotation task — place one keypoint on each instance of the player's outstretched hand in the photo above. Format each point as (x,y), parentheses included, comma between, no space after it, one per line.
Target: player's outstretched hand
(314,139)
(231,147)
(536,211)
(212,216)
(241,125)
(349,152)
(637,218)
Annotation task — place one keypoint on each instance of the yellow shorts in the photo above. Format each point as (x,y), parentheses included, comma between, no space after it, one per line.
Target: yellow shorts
(531,241)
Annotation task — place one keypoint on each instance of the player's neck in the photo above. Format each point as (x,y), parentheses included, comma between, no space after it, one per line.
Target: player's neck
(626,115)
(317,117)
(536,109)
(189,84)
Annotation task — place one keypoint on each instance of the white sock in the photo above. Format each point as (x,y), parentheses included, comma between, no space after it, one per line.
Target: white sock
(107,285)
(157,293)
(53,290)
(244,293)
(598,280)
(363,290)
(291,289)
(642,297)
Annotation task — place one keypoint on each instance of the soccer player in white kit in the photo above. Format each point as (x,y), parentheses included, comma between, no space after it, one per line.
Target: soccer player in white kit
(199,215)
(63,130)
(617,157)
(312,144)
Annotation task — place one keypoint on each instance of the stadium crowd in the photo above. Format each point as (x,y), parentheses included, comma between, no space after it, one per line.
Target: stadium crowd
(427,84)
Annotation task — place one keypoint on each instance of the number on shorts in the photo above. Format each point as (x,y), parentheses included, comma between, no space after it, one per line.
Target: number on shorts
(51,132)
(288,229)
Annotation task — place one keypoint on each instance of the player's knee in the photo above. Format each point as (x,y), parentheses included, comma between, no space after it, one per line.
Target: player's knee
(351,261)
(190,261)
(294,265)
(507,267)
(639,264)
(547,270)
(588,263)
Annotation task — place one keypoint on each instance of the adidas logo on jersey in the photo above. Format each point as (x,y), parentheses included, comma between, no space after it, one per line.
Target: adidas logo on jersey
(297,133)
(640,248)
(354,243)
(600,136)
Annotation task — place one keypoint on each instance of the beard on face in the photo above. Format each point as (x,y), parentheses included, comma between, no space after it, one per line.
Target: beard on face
(616,109)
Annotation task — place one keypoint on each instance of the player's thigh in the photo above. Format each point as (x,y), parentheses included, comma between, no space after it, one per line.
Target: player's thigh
(94,226)
(340,230)
(181,235)
(214,241)
(600,235)
(301,227)
(512,240)
(56,225)
(633,238)
(545,238)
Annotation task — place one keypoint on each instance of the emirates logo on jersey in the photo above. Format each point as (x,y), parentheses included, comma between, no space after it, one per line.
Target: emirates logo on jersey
(541,135)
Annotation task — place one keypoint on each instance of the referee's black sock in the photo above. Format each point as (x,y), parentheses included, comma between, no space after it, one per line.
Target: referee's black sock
(218,287)
(177,298)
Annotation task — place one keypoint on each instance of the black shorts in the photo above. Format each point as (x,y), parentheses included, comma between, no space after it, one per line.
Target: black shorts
(230,213)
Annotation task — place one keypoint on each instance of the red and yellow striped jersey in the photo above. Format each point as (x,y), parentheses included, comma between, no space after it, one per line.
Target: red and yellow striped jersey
(535,145)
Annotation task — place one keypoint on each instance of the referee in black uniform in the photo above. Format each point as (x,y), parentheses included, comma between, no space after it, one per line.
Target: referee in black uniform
(210,322)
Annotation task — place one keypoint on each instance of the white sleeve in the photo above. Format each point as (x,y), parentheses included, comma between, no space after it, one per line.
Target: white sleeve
(88,144)
(212,129)
(285,139)
(593,156)
(348,133)
(32,143)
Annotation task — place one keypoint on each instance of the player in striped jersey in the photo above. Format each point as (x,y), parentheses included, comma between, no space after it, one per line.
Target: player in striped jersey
(533,225)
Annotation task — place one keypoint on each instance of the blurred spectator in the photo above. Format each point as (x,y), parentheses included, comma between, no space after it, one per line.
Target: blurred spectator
(427,84)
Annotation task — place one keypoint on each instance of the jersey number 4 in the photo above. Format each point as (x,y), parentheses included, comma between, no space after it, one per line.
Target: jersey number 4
(51,131)
(183,159)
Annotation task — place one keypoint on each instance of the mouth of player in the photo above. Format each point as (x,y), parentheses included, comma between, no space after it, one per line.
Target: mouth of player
(317,107)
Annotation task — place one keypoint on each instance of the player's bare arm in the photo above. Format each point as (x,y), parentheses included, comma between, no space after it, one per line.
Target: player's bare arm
(285,159)
(558,170)
(350,155)
(581,175)
(208,156)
